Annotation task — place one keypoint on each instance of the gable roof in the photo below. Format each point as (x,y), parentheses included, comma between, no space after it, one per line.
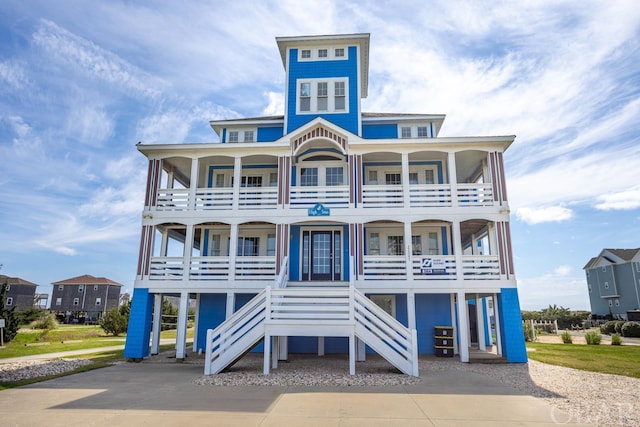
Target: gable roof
(613,256)
(15,281)
(87,279)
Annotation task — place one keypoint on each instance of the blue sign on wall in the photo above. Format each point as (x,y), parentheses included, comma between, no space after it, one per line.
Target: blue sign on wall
(319,210)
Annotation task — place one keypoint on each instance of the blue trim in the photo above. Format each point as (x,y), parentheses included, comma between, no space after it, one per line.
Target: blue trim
(445,241)
(487,326)
(346,260)
(224,135)
(433,134)
(511,331)
(294,253)
(139,329)
(293,176)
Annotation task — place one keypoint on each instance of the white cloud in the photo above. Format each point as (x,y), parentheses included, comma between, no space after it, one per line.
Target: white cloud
(623,200)
(276,104)
(13,75)
(544,214)
(89,125)
(562,271)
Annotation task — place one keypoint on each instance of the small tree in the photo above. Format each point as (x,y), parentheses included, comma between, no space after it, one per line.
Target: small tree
(115,322)
(11,321)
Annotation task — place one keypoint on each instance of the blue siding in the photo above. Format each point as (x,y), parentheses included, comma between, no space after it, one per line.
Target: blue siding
(294,253)
(324,69)
(139,329)
(380,131)
(270,134)
(511,332)
(487,325)
(431,310)
(304,345)
(346,263)
(211,313)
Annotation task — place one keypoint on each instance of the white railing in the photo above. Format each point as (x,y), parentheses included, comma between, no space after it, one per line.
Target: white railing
(448,273)
(255,267)
(430,195)
(321,311)
(170,199)
(258,198)
(209,268)
(214,198)
(236,335)
(382,196)
(480,267)
(385,267)
(332,196)
(475,195)
(166,268)
(384,334)
(281,280)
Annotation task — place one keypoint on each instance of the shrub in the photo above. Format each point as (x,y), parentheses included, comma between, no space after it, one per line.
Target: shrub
(114,322)
(616,340)
(566,337)
(529,333)
(46,322)
(608,328)
(631,329)
(592,338)
(619,325)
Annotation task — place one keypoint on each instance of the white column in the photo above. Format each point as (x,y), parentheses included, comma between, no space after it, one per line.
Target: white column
(480,322)
(463,327)
(457,248)
(496,320)
(231,299)
(188,247)
(408,250)
(233,250)
(493,242)
(156,326)
(164,244)
(320,346)
(361,350)
(193,184)
(237,181)
(411,309)
(406,191)
(451,163)
(283,348)
(452,299)
(196,325)
(181,332)
(352,354)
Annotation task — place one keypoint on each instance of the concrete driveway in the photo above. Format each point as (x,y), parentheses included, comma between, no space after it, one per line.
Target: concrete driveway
(137,394)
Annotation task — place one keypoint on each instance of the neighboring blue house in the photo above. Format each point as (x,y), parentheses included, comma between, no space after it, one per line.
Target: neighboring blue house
(329,229)
(613,281)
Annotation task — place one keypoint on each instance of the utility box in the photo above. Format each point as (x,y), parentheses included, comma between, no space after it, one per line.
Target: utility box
(444,341)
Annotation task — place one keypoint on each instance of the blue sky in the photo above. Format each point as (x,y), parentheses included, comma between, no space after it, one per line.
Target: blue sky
(82,82)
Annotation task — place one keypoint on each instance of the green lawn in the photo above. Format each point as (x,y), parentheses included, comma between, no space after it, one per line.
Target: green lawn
(607,359)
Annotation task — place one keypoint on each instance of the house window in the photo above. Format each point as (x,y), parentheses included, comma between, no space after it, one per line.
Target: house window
(248,246)
(385,302)
(273,179)
(219,180)
(323,99)
(80,288)
(309,177)
(604,269)
(422,132)
(322,53)
(434,247)
(405,132)
(413,177)
(339,52)
(334,176)
(233,136)
(215,249)
(248,136)
(339,95)
(60,287)
(58,301)
(252,181)
(76,301)
(374,244)
(416,245)
(373,177)
(95,287)
(271,245)
(305,96)
(395,245)
(9,301)
(8,288)
(305,54)
(606,285)
(393,178)
(429,176)
(610,303)
(98,301)
(617,302)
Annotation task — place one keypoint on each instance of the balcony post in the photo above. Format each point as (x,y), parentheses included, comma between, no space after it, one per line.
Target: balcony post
(406,190)
(188,248)
(181,329)
(233,251)
(496,322)
(193,185)
(453,180)
(491,231)
(463,327)
(237,181)
(156,325)
(409,250)
(457,249)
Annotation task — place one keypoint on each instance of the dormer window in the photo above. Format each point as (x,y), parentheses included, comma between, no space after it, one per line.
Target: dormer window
(233,136)
(322,53)
(241,135)
(414,131)
(422,132)
(339,53)
(305,54)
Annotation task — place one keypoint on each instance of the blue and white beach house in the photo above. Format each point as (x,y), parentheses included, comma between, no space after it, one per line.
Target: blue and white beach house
(328,229)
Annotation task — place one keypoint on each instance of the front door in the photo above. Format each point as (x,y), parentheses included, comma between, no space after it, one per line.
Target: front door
(321,255)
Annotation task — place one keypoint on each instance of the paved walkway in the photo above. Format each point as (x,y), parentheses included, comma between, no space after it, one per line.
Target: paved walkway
(164,394)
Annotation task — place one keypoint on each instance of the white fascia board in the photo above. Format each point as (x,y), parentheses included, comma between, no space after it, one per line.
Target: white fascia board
(486,142)
(218,125)
(163,150)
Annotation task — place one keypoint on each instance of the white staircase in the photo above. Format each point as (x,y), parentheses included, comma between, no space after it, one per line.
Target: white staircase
(335,312)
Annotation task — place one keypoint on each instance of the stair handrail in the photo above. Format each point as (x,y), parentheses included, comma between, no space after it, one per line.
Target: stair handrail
(281,279)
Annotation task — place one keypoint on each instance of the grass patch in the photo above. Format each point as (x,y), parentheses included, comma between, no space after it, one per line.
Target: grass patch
(619,360)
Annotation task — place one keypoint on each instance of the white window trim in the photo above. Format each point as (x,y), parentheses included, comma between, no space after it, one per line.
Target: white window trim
(322,171)
(241,135)
(98,301)
(330,95)
(331,53)
(414,129)
(9,301)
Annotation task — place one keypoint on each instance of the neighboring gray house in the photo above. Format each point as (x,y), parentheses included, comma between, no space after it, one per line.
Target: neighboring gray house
(613,280)
(20,293)
(84,299)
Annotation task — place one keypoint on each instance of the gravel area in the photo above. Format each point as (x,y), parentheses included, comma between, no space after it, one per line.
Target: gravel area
(18,371)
